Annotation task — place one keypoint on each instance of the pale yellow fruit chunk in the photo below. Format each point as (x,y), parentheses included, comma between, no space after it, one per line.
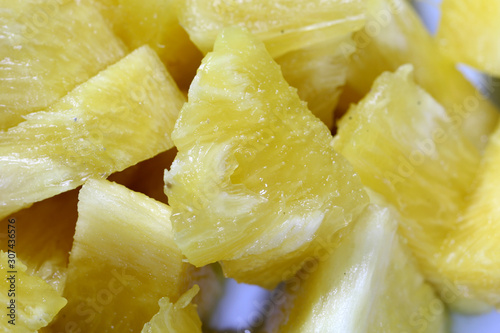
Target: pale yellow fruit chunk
(154,22)
(256,179)
(47,47)
(35,302)
(472,251)
(393,36)
(406,147)
(282,25)
(468,33)
(180,317)
(369,283)
(120,117)
(123,261)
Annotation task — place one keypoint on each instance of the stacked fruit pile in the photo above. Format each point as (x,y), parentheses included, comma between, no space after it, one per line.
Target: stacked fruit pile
(124,202)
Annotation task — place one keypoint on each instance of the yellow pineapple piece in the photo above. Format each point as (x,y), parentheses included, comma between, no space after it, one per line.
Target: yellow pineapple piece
(369,283)
(47,47)
(123,115)
(468,33)
(256,179)
(35,302)
(154,22)
(394,36)
(405,146)
(471,252)
(180,317)
(49,228)
(123,261)
(282,25)
(318,72)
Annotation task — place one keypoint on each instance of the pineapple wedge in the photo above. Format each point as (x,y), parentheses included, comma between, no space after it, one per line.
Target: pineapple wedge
(50,226)
(35,302)
(394,36)
(471,253)
(370,283)
(123,115)
(123,261)
(318,72)
(406,147)
(473,24)
(154,22)
(256,179)
(283,25)
(46,49)
(180,317)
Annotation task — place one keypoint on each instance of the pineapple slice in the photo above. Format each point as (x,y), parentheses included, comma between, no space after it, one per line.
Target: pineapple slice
(368,284)
(473,24)
(255,180)
(46,49)
(404,146)
(35,302)
(50,226)
(471,252)
(123,261)
(121,116)
(394,36)
(154,22)
(282,25)
(180,317)
(318,72)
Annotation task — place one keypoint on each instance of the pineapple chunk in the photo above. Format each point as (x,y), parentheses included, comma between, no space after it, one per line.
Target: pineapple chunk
(318,72)
(282,25)
(35,302)
(368,284)
(46,49)
(180,317)
(394,36)
(256,179)
(123,115)
(154,22)
(123,261)
(50,226)
(471,253)
(404,146)
(468,33)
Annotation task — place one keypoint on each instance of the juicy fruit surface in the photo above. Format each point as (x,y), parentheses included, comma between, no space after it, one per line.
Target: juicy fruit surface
(401,38)
(370,283)
(180,317)
(470,255)
(36,302)
(154,22)
(318,72)
(123,242)
(256,179)
(47,48)
(282,25)
(481,19)
(116,119)
(404,146)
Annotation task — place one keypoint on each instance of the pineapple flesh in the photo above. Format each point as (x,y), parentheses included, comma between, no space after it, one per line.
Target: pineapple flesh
(48,47)
(256,179)
(35,302)
(369,283)
(120,117)
(395,36)
(123,261)
(468,33)
(405,147)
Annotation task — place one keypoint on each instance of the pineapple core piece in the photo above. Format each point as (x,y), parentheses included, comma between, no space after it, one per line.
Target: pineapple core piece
(256,179)
(118,118)
(123,261)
